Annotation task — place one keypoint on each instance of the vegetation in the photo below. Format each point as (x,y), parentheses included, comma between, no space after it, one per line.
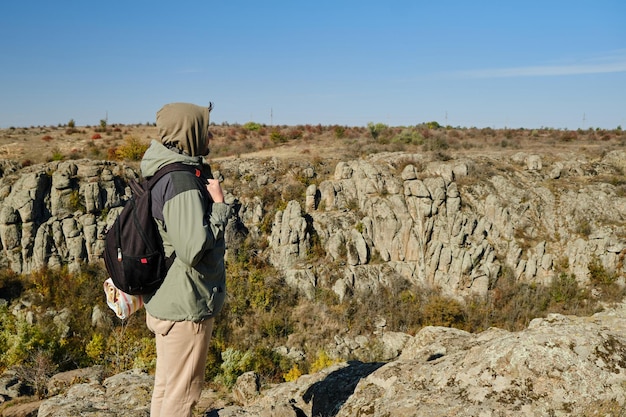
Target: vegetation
(262,312)
(132,149)
(129,142)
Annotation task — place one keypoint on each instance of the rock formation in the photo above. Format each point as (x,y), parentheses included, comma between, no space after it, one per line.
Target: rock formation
(393,217)
(558,366)
(449,224)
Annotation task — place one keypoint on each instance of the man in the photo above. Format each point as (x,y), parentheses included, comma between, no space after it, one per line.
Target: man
(191,217)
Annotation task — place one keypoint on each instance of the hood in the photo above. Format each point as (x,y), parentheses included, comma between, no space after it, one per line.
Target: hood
(158,156)
(184,126)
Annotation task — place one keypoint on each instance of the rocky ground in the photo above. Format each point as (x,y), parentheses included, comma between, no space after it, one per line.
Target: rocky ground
(558,366)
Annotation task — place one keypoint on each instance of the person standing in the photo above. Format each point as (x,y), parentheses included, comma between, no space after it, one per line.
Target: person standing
(191,217)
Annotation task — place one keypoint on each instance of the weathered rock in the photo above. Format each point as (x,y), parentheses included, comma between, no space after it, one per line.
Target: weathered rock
(558,366)
(448,224)
(290,238)
(23,409)
(125,394)
(246,388)
(320,394)
(61,382)
(11,386)
(55,213)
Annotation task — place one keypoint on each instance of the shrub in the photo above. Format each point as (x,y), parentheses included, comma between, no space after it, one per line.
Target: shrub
(564,288)
(277,137)
(294,191)
(569,136)
(46,138)
(126,344)
(234,363)
(96,136)
(252,126)
(295,134)
(76,201)
(20,340)
(443,311)
(146,357)
(376,129)
(11,286)
(435,144)
(132,149)
(322,361)
(36,371)
(598,275)
(409,136)
(293,374)
(96,348)
(268,364)
(112,153)
(57,155)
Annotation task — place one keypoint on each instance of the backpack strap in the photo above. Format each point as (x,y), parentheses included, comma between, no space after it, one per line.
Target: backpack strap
(176,166)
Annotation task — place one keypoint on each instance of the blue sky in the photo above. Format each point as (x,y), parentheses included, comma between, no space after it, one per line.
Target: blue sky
(548,63)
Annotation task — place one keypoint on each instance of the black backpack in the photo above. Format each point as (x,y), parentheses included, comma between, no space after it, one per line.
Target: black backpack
(133,254)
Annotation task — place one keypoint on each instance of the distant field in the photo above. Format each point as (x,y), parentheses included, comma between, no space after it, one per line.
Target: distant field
(32,145)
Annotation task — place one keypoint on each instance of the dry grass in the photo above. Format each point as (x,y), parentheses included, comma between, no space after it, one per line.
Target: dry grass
(310,142)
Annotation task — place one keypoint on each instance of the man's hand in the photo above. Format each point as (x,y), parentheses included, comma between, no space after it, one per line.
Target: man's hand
(215,191)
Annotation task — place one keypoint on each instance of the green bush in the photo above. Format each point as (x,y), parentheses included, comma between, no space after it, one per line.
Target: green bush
(564,289)
(21,340)
(277,137)
(598,275)
(57,155)
(125,345)
(252,126)
(268,364)
(409,136)
(76,201)
(234,364)
(376,129)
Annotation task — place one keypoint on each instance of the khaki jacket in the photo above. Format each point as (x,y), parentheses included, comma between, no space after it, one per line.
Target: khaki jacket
(193,227)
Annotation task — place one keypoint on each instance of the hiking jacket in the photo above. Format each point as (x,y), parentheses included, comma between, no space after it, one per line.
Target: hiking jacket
(193,227)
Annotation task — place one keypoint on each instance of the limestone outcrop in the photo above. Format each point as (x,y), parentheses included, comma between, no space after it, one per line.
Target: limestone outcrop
(393,216)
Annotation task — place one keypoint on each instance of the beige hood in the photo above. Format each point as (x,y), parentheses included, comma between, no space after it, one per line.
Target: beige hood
(184,126)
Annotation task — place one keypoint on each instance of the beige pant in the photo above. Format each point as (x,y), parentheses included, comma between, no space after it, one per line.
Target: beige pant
(182,349)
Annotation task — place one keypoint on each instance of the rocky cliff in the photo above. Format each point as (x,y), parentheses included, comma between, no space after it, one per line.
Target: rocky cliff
(449,224)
